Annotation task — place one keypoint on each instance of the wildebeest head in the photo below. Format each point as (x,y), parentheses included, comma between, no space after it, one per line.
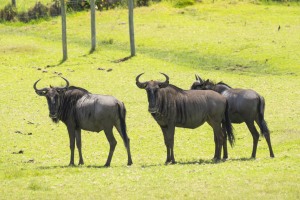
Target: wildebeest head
(199,84)
(152,88)
(53,96)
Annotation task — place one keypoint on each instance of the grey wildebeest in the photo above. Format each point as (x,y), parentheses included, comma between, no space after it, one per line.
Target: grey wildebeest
(173,107)
(245,105)
(79,109)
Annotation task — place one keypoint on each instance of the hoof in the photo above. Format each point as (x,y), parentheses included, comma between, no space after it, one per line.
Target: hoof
(216,160)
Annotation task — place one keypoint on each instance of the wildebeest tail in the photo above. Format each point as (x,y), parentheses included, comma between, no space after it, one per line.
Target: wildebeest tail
(228,127)
(261,121)
(122,117)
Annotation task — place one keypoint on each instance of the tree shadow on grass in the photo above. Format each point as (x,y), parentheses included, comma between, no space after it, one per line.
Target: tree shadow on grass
(122,59)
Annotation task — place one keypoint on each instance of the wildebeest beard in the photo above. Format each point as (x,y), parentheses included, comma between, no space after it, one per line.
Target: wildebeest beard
(55,120)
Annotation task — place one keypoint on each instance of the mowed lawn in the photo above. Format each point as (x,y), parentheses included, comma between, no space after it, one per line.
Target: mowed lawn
(238,43)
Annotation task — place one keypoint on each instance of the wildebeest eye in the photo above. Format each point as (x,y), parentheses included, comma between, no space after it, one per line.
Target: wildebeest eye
(60,91)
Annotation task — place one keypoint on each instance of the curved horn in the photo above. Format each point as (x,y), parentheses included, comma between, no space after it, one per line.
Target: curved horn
(66,82)
(34,85)
(141,85)
(166,83)
(198,78)
(167,77)
(40,92)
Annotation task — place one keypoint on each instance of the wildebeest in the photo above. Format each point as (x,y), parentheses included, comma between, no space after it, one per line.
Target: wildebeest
(174,107)
(245,105)
(79,109)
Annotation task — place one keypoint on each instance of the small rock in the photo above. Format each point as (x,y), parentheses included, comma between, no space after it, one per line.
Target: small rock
(19,132)
(100,68)
(109,70)
(19,152)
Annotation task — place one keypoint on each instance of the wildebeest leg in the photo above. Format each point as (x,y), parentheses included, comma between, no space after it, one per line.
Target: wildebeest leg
(78,144)
(129,160)
(165,132)
(112,145)
(71,132)
(225,151)
(268,139)
(218,136)
(215,140)
(255,136)
(171,134)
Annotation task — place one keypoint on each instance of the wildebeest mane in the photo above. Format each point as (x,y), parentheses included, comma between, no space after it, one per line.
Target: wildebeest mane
(69,100)
(222,83)
(167,100)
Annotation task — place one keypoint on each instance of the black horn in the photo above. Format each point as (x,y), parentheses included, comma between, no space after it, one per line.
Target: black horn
(198,78)
(166,83)
(40,92)
(67,82)
(141,85)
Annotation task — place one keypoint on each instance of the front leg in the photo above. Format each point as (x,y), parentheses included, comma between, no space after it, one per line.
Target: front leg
(164,130)
(78,144)
(71,132)
(169,132)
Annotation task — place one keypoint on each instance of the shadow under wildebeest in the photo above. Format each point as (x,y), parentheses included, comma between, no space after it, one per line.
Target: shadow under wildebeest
(79,109)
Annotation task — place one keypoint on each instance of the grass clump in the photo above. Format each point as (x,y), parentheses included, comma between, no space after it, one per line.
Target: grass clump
(8,13)
(183,3)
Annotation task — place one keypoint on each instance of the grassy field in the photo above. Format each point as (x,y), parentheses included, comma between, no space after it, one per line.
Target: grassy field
(236,42)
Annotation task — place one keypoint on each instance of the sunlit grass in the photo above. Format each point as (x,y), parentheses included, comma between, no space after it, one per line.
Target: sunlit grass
(220,41)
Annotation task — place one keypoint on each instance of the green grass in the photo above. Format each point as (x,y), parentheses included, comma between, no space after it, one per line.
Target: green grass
(220,41)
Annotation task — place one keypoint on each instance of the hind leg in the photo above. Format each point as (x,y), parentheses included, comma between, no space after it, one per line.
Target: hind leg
(268,139)
(255,136)
(129,160)
(218,137)
(112,145)
(225,151)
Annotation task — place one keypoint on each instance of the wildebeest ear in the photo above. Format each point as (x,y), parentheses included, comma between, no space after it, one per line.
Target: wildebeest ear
(41,92)
(141,85)
(164,84)
(207,81)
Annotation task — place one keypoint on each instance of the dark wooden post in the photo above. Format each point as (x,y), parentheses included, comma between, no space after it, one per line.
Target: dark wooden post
(64,30)
(13,2)
(93,25)
(131,28)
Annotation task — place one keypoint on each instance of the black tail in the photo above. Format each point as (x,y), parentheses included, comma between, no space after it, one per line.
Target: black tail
(122,117)
(228,127)
(261,121)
